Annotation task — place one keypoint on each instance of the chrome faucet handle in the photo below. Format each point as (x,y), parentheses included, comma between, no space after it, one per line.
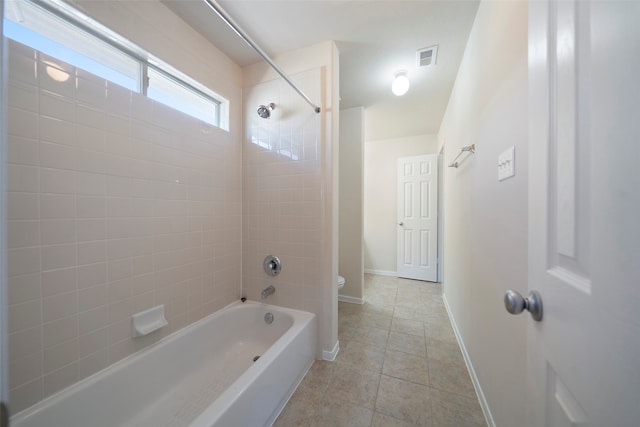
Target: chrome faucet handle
(272,265)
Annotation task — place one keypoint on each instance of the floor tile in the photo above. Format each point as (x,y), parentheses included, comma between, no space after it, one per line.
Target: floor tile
(364,334)
(444,350)
(360,355)
(405,401)
(317,380)
(348,319)
(409,303)
(375,320)
(379,299)
(450,376)
(409,313)
(406,367)
(439,331)
(412,327)
(299,411)
(435,315)
(406,343)
(352,385)
(379,309)
(381,420)
(452,410)
(342,414)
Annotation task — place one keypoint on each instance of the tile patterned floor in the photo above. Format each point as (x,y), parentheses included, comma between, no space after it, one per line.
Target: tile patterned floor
(399,365)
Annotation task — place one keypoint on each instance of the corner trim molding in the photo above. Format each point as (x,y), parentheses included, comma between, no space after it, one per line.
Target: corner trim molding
(381,272)
(352,300)
(331,355)
(472,373)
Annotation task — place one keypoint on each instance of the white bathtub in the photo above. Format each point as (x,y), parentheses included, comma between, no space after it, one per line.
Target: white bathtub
(201,376)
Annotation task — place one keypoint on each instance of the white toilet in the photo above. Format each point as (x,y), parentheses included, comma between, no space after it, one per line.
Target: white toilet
(340,283)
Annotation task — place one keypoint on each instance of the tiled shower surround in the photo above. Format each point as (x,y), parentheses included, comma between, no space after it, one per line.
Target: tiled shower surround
(282,162)
(115,204)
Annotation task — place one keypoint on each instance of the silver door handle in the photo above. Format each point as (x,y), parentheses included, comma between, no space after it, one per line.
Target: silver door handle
(515,303)
(401,224)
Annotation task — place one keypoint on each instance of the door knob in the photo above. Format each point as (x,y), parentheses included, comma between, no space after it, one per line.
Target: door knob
(401,224)
(515,303)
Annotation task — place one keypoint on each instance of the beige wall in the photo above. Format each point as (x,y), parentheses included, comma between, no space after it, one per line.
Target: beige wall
(300,223)
(380,197)
(351,229)
(485,236)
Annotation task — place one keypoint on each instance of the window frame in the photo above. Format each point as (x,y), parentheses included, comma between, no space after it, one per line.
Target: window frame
(145,60)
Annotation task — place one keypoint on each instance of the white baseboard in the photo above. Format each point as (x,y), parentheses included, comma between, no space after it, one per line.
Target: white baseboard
(472,373)
(381,272)
(331,355)
(352,300)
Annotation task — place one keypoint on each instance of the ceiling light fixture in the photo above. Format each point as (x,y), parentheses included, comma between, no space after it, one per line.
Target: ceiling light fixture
(400,84)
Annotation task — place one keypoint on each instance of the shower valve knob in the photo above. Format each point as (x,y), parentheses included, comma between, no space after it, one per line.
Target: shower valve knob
(272,265)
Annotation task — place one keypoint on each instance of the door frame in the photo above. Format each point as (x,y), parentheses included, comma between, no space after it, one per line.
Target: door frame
(416,272)
(440,275)
(4,353)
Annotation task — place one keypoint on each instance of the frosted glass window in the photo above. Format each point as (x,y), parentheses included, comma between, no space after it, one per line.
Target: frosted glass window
(60,31)
(50,34)
(176,95)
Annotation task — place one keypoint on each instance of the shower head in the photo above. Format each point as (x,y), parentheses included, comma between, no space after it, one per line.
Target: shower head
(264,111)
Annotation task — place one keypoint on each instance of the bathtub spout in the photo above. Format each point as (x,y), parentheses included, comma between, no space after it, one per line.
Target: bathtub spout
(268,291)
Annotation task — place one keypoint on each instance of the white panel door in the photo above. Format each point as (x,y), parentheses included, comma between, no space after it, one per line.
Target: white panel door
(584,206)
(417,235)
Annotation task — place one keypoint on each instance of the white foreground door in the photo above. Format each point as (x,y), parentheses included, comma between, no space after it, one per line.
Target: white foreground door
(418,217)
(584,213)
(4,364)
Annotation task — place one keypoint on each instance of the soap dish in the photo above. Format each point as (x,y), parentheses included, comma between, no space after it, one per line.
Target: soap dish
(148,321)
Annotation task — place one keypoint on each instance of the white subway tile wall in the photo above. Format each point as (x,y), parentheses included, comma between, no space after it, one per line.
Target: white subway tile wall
(282,192)
(115,204)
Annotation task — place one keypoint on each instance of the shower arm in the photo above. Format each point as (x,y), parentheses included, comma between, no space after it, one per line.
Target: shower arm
(244,36)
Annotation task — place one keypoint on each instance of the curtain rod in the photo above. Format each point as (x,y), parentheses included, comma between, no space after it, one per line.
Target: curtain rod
(244,36)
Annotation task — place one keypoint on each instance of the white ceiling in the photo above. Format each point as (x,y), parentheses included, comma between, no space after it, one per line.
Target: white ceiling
(375,39)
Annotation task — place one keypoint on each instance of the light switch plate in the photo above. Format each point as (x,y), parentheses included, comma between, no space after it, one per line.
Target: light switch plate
(507,164)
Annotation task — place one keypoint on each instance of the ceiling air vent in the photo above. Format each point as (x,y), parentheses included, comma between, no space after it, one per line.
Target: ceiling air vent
(427,57)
